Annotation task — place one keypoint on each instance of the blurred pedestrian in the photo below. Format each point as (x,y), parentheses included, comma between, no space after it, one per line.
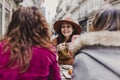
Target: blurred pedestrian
(25,51)
(65,29)
(97,53)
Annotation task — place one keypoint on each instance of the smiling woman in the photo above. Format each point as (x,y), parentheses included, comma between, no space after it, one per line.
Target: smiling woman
(65,29)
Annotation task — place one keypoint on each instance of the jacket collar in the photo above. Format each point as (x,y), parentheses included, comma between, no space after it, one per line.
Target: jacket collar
(105,38)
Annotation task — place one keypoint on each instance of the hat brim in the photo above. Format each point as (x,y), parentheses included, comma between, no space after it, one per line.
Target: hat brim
(58,24)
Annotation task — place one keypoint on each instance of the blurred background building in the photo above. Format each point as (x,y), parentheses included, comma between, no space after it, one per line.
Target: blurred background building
(82,11)
(7,7)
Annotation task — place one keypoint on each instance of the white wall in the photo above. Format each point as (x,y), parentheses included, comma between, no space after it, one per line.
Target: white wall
(50,6)
(27,3)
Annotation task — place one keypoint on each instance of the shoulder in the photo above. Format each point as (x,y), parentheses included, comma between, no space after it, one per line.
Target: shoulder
(43,55)
(43,52)
(1,44)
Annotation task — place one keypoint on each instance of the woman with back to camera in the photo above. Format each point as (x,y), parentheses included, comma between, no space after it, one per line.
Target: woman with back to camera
(25,51)
(67,30)
(97,53)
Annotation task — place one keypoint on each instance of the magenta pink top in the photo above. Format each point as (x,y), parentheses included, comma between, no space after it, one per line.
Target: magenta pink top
(43,66)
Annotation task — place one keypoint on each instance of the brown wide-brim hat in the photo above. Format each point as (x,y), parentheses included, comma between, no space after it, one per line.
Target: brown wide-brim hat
(58,24)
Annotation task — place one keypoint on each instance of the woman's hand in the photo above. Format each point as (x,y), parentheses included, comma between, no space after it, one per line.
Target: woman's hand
(61,46)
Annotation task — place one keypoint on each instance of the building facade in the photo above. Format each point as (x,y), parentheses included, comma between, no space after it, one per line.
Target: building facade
(82,11)
(7,7)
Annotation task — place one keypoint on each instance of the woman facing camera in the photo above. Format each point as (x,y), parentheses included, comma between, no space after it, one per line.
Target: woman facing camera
(67,31)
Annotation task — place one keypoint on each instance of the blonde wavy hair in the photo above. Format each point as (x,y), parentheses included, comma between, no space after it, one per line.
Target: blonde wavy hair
(107,19)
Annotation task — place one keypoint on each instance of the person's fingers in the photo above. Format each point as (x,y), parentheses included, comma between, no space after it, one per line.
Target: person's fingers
(64,43)
(62,47)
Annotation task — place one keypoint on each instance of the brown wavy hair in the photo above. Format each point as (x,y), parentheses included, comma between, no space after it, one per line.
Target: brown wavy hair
(27,28)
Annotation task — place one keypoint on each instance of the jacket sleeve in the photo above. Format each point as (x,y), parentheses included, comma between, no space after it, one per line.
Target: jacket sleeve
(55,69)
(80,71)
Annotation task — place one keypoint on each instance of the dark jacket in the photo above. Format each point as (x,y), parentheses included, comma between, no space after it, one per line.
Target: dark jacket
(97,56)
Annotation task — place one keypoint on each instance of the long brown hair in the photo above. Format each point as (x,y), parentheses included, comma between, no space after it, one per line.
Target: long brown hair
(108,19)
(27,28)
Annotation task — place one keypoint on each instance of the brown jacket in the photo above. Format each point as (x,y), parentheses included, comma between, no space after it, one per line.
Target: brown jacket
(64,57)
